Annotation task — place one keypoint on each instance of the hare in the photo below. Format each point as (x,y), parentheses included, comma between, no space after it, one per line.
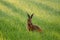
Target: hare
(30,26)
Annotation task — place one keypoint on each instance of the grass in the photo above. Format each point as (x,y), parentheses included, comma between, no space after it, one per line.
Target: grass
(13,19)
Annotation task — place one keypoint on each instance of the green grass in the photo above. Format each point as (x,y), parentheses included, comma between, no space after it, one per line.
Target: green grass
(13,19)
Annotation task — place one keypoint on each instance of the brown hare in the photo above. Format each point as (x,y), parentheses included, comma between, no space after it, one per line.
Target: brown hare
(30,26)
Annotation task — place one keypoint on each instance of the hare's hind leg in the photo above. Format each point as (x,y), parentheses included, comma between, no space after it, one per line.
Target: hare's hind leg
(39,30)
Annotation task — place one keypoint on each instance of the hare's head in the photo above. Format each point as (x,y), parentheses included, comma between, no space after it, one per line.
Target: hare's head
(29,17)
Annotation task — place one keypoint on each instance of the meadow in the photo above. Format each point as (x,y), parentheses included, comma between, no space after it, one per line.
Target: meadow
(13,19)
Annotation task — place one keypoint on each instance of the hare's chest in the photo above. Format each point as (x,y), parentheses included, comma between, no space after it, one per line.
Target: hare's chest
(30,27)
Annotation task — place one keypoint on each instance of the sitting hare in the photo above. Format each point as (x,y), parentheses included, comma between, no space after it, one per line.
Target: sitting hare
(30,26)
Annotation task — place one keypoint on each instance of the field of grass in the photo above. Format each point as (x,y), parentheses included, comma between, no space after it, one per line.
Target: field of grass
(13,19)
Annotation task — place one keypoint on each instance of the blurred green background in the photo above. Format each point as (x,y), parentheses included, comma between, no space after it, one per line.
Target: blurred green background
(13,19)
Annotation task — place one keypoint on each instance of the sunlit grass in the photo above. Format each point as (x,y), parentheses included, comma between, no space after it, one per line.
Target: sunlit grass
(13,19)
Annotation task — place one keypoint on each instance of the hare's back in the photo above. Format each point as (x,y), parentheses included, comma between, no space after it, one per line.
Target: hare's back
(35,27)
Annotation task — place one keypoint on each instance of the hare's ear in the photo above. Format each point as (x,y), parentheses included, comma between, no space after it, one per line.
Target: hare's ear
(32,15)
(28,15)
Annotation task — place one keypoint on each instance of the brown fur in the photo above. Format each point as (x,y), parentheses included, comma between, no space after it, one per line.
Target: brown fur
(32,27)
